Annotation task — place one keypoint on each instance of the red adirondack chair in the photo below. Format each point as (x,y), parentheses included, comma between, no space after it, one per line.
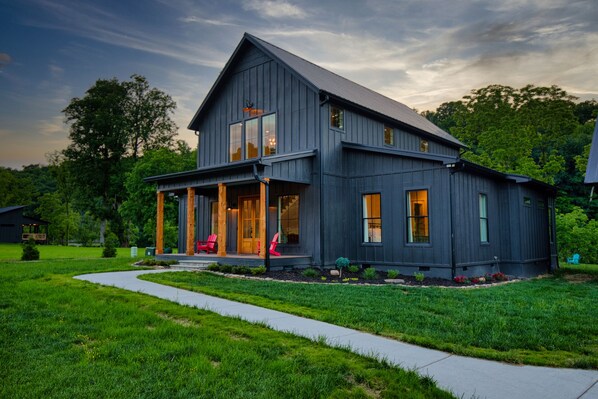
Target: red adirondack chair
(273,245)
(209,245)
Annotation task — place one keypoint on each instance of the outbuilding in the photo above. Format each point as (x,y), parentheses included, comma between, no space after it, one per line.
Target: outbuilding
(15,227)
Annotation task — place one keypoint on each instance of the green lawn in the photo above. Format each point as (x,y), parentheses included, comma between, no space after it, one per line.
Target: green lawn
(65,338)
(14,251)
(550,321)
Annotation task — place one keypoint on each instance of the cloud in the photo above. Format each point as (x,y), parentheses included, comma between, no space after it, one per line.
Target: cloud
(205,21)
(274,9)
(52,127)
(5,59)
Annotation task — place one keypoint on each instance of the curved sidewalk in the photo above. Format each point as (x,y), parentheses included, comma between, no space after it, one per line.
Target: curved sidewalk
(465,377)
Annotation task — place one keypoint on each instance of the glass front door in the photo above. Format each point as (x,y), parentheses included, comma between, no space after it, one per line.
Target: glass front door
(249,231)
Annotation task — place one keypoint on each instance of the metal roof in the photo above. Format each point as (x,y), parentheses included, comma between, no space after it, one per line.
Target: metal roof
(335,85)
(11,208)
(592,168)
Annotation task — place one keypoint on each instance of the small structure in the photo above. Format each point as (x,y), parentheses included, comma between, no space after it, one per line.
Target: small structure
(14,227)
(337,169)
(592,168)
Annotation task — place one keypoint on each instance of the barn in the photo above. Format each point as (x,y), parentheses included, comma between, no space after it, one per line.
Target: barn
(14,227)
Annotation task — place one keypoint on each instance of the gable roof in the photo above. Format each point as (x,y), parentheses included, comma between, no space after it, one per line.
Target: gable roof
(11,208)
(329,83)
(592,168)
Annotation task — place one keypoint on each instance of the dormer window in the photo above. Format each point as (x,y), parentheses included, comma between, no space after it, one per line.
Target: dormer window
(337,118)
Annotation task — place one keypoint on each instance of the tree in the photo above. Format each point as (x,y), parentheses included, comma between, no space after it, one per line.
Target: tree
(14,189)
(140,207)
(110,126)
(62,222)
(61,169)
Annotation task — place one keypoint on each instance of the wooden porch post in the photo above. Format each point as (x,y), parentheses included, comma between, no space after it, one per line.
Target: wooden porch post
(264,241)
(221,219)
(190,221)
(160,223)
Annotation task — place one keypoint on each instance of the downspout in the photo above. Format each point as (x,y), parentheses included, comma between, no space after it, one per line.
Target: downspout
(323,102)
(266,246)
(452,170)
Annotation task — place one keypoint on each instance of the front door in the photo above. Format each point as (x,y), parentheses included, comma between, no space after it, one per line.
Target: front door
(249,226)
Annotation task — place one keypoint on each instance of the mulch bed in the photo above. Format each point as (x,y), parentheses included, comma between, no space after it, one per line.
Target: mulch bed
(297,276)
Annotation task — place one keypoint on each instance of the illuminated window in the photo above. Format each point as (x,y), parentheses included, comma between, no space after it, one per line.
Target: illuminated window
(337,116)
(417,217)
(214,217)
(269,135)
(251,139)
(288,219)
(236,140)
(389,136)
(483,218)
(372,218)
(423,145)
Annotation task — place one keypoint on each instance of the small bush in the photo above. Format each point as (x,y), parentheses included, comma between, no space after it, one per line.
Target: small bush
(370,273)
(110,245)
(311,272)
(419,277)
(241,270)
(353,268)
(154,262)
(30,251)
(392,273)
(500,276)
(342,263)
(258,270)
(226,268)
(214,267)
(461,280)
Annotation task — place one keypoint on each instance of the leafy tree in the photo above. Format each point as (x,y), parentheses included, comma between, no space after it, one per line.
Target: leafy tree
(15,189)
(140,207)
(577,234)
(62,222)
(110,126)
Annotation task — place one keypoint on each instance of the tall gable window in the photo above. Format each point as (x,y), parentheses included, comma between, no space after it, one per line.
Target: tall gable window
(418,226)
(483,218)
(389,136)
(337,118)
(288,219)
(372,218)
(269,135)
(245,139)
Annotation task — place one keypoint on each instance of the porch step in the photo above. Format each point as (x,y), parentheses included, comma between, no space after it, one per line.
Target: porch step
(192,264)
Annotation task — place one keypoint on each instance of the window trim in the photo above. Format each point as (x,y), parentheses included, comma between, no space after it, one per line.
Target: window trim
(407,217)
(363,219)
(278,220)
(486,218)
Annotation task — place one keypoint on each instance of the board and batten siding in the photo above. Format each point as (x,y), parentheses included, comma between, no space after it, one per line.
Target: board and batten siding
(271,88)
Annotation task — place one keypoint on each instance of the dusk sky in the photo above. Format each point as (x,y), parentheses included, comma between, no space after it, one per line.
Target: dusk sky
(421,53)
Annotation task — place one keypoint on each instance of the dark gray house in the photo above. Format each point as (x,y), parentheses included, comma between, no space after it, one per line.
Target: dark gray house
(15,227)
(351,173)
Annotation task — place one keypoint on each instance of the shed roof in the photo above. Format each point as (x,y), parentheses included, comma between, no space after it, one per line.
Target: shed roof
(327,82)
(592,168)
(11,208)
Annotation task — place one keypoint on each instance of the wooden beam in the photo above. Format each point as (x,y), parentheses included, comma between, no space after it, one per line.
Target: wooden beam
(264,241)
(190,221)
(221,219)
(160,223)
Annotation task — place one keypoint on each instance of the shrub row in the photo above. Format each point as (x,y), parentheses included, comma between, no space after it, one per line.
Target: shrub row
(155,262)
(215,267)
(487,278)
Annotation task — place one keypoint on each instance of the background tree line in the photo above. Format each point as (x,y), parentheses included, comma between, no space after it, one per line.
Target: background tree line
(122,132)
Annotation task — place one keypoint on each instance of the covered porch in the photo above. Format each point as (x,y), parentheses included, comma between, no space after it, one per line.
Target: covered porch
(243,209)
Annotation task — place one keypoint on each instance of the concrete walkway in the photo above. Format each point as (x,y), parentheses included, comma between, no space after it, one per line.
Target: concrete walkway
(465,377)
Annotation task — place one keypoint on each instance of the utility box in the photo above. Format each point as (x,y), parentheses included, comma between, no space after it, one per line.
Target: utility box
(133,252)
(150,251)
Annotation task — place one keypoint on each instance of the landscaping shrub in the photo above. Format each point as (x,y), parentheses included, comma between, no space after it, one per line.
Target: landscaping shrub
(226,268)
(214,267)
(353,268)
(419,277)
(310,272)
(154,262)
(258,270)
(241,270)
(461,280)
(392,273)
(30,251)
(500,276)
(342,263)
(110,245)
(370,273)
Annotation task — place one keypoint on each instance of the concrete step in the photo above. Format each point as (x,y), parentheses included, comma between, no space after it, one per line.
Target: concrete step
(192,264)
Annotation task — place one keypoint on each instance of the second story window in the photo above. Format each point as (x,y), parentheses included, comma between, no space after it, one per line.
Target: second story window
(423,145)
(245,139)
(389,136)
(337,118)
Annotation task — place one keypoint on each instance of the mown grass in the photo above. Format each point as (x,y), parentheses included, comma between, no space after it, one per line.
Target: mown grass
(550,321)
(14,251)
(65,338)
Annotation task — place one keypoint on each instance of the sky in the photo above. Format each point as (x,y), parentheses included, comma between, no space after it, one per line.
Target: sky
(421,53)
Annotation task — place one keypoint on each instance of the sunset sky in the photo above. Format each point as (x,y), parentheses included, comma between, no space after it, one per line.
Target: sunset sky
(421,53)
